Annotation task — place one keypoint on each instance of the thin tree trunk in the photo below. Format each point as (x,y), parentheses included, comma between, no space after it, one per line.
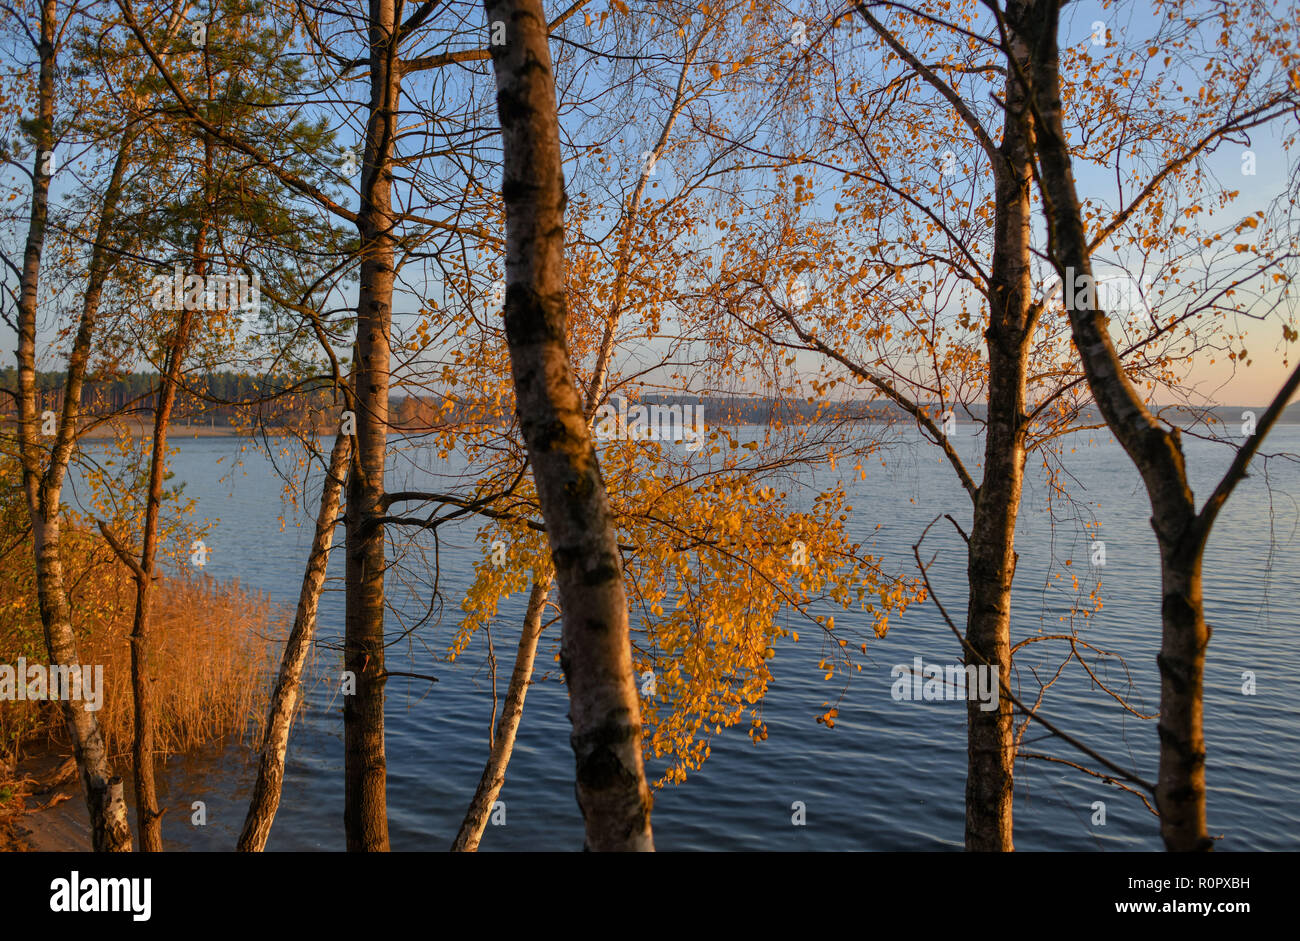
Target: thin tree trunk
(991,567)
(503,741)
(1157,454)
(110,831)
(148,817)
(29,449)
(270,770)
(991,561)
(623,259)
(365,814)
(493,778)
(596,648)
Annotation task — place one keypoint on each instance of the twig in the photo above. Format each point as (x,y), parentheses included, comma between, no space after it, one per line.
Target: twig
(1096,774)
(120,551)
(418,676)
(916,551)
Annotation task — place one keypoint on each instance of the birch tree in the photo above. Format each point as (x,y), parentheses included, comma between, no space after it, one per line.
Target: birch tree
(284,700)
(43,477)
(597,657)
(385,56)
(1236,99)
(931,149)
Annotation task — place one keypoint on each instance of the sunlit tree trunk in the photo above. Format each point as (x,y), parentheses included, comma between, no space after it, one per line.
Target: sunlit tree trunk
(596,649)
(270,769)
(503,738)
(365,812)
(991,563)
(110,831)
(148,817)
(1157,454)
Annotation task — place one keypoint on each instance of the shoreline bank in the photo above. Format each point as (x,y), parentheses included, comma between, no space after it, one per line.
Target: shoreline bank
(53,817)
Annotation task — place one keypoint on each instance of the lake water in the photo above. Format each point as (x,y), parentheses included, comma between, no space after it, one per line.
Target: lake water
(890,775)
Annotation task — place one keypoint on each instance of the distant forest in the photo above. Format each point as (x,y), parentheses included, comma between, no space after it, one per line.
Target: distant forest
(223,398)
(230,399)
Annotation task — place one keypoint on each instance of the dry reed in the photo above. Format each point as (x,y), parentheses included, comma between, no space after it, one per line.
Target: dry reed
(214,647)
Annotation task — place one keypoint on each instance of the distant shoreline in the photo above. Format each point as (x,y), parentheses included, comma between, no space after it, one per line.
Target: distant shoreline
(143,427)
(182,428)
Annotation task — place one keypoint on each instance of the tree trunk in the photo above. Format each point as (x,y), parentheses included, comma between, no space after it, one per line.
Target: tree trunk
(493,778)
(110,831)
(596,649)
(365,814)
(991,567)
(992,557)
(1180,788)
(1157,454)
(148,817)
(503,741)
(270,770)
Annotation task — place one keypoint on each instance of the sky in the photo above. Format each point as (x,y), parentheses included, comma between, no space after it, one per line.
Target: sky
(1218,382)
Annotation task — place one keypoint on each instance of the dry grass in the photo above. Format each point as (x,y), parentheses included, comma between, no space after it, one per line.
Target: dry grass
(12,806)
(214,650)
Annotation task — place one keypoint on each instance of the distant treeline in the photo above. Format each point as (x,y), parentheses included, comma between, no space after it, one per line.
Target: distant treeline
(741,410)
(227,398)
(223,398)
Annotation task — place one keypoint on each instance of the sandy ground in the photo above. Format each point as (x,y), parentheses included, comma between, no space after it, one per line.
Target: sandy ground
(53,814)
